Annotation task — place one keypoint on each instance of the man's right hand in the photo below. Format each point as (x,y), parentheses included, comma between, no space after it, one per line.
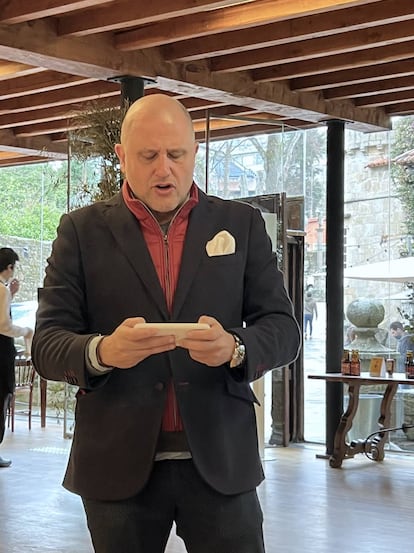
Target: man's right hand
(127,346)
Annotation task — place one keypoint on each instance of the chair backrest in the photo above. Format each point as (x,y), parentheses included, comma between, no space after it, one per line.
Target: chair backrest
(24,370)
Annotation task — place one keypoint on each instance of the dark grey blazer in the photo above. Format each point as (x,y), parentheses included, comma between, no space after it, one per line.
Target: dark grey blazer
(100,272)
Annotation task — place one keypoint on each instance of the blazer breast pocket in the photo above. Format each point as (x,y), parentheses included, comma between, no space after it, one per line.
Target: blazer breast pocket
(229,260)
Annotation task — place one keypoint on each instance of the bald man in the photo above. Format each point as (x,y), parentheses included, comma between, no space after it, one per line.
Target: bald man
(165,425)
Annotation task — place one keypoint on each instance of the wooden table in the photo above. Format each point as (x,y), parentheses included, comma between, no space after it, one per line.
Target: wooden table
(374,445)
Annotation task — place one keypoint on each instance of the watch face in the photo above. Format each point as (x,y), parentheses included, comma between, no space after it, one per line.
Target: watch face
(238,353)
(241,352)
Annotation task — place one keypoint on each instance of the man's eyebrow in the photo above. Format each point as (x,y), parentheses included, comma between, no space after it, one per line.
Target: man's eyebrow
(156,150)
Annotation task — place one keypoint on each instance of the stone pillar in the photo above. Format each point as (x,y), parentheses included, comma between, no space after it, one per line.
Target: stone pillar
(365,314)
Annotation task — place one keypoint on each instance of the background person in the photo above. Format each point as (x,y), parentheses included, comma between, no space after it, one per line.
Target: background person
(310,310)
(405,342)
(9,286)
(164,431)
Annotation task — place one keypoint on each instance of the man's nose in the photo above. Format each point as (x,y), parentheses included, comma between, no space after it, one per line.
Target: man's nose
(163,166)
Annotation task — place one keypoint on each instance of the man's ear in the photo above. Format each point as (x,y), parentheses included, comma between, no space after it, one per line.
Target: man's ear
(119,150)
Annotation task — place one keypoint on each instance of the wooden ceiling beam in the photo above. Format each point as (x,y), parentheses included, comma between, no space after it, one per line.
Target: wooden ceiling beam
(274,98)
(38,44)
(282,32)
(60,137)
(41,147)
(239,16)
(334,79)
(335,63)
(369,88)
(350,42)
(192,104)
(73,95)
(406,108)
(41,82)
(217,124)
(53,113)
(49,127)
(11,69)
(19,11)
(389,98)
(22,160)
(249,130)
(220,112)
(127,14)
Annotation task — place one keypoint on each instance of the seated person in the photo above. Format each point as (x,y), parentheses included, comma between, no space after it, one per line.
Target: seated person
(405,342)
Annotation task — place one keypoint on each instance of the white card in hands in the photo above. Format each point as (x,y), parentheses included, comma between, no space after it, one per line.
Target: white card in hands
(179,330)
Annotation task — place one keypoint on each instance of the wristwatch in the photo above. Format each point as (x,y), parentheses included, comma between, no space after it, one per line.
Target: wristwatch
(239,352)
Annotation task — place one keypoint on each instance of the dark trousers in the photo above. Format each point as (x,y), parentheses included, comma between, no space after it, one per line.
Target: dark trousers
(7,378)
(206,520)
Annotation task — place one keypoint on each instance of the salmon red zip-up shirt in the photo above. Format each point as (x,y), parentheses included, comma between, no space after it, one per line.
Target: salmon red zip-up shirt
(166,251)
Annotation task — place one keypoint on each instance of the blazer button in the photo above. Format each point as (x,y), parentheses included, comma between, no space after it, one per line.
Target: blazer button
(159,386)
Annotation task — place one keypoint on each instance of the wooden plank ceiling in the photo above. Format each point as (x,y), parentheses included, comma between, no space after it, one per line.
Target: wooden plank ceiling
(286,62)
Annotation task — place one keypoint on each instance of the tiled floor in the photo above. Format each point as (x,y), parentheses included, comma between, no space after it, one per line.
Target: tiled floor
(365,507)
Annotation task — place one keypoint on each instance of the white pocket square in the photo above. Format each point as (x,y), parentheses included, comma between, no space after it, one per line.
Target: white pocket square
(223,243)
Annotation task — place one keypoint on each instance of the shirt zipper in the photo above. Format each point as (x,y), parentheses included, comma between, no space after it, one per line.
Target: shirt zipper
(168,292)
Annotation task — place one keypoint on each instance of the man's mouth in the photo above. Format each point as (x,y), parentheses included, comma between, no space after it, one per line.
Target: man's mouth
(163,186)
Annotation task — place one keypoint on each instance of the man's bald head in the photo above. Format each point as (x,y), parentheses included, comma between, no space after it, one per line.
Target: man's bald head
(154,107)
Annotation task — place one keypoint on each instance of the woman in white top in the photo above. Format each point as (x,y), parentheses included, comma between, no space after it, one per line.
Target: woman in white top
(8,331)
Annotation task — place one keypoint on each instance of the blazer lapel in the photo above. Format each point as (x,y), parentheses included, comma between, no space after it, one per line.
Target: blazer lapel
(127,233)
(198,232)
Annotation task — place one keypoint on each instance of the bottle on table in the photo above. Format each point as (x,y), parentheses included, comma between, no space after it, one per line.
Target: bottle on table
(390,366)
(355,363)
(346,362)
(409,364)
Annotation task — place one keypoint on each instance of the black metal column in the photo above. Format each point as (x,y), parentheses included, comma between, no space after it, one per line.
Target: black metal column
(132,88)
(334,274)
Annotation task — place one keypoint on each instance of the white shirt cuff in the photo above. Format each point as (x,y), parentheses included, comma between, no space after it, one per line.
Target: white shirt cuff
(94,367)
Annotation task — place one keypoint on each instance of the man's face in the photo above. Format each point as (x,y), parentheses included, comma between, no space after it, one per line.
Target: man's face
(157,158)
(396,333)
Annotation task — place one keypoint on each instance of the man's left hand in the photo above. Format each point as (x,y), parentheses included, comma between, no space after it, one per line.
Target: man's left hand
(213,347)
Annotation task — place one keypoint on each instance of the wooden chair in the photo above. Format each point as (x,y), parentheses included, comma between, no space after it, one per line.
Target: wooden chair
(25,376)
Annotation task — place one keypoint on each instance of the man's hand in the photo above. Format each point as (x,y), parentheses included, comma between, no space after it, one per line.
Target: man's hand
(14,286)
(127,346)
(213,347)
